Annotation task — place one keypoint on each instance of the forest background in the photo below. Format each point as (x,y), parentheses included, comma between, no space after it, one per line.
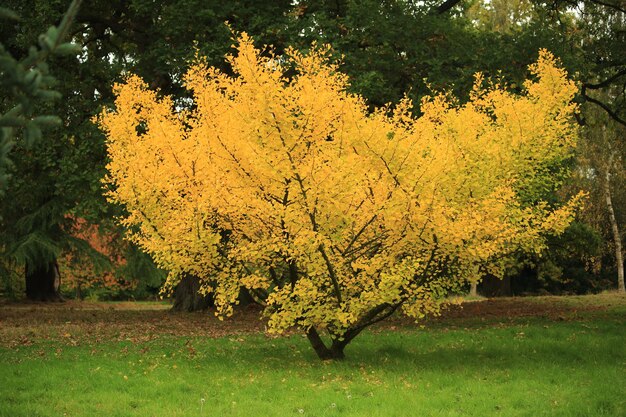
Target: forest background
(56,223)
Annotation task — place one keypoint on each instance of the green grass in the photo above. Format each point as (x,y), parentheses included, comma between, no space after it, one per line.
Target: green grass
(529,367)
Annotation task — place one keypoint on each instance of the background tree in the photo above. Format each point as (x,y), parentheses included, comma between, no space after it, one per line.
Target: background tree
(331,216)
(398,47)
(27,81)
(596,32)
(61,181)
(602,173)
(599,32)
(106,267)
(27,85)
(588,36)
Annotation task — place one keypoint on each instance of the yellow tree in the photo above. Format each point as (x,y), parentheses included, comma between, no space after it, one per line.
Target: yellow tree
(331,216)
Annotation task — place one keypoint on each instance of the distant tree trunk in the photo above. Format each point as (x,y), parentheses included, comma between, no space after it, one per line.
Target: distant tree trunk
(187,298)
(614,226)
(79,292)
(43,282)
(473,289)
(496,287)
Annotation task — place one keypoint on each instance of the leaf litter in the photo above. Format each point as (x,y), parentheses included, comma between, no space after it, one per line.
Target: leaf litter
(73,322)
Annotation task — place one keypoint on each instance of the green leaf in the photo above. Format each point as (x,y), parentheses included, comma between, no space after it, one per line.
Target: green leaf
(33,77)
(52,34)
(35,248)
(46,43)
(32,133)
(8,14)
(47,121)
(11,121)
(15,111)
(48,94)
(6,133)
(68,49)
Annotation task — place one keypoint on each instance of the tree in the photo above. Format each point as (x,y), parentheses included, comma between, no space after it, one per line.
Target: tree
(101,264)
(61,179)
(503,16)
(27,85)
(595,31)
(390,47)
(188,295)
(397,48)
(331,216)
(27,81)
(394,48)
(588,35)
(602,173)
(617,237)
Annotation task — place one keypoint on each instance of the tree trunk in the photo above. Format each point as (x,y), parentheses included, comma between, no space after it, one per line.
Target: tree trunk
(79,292)
(323,352)
(43,282)
(496,287)
(614,226)
(473,289)
(187,297)
(339,342)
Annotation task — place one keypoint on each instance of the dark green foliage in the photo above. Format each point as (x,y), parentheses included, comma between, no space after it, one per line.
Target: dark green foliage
(139,268)
(155,40)
(595,39)
(30,229)
(571,265)
(26,82)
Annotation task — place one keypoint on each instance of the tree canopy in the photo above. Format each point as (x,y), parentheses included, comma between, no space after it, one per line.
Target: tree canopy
(280,181)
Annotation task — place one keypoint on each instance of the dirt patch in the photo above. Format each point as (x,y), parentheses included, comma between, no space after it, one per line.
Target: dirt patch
(86,322)
(73,323)
(506,308)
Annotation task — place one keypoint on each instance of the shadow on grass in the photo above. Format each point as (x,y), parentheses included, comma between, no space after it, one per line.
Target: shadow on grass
(566,346)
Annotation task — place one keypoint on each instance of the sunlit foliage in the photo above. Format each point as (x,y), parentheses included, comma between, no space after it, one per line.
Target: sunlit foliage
(332,216)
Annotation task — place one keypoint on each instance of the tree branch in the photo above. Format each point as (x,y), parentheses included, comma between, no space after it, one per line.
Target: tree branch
(445,6)
(606,82)
(609,5)
(311,212)
(331,272)
(605,107)
(374,316)
(359,233)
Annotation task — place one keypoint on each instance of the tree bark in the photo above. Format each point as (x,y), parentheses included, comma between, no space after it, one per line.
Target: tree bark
(445,6)
(187,297)
(79,292)
(334,352)
(614,226)
(43,282)
(473,289)
(496,287)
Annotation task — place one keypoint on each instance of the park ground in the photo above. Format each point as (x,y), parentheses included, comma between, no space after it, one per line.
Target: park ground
(534,356)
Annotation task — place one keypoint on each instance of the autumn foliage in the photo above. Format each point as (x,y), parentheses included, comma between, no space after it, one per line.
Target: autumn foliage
(332,216)
(95,269)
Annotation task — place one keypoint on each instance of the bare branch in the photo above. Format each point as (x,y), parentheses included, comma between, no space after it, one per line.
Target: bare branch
(605,107)
(606,82)
(445,6)
(609,5)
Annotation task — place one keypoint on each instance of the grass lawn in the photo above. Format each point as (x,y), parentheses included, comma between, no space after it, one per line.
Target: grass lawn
(568,359)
